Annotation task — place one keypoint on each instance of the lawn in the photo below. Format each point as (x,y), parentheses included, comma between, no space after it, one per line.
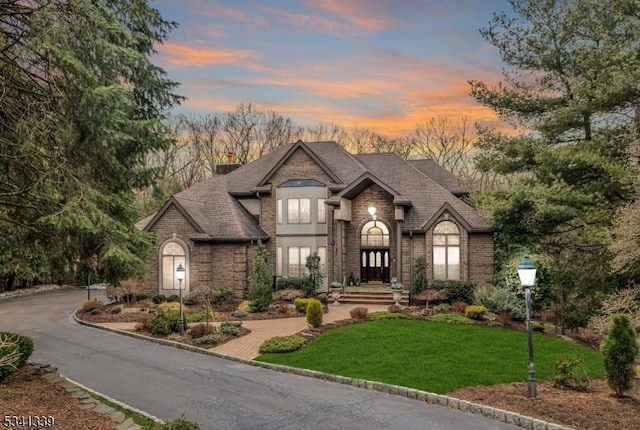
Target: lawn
(430,356)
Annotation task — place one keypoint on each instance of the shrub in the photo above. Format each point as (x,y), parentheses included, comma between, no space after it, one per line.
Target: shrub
(159,298)
(283,308)
(381,315)
(239,314)
(143,325)
(450,318)
(282,344)
(498,299)
(442,307)
(15,350)
(200,330)
(208,339)
(228,328)
(459,307)
(315,277)
(475,312)
(177,424)
(115,310)
(299,284)
(90,305)
(200,316)
(301,305)
(173,298)
(141,296)
(394,309)
(260,281)
(359,313)
(570,373)
(507,277)
(537,327)
(221,296)
(460,291)
(314,313)
(288,295)
(620,349)
(165,321)
(174,306)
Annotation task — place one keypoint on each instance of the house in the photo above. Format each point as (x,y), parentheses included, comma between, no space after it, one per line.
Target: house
(368,216)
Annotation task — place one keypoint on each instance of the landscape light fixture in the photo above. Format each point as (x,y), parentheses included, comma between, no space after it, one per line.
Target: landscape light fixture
(180,274)
(527,274)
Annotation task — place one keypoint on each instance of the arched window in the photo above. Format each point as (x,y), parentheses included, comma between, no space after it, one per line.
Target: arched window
(172,255)
(374,234)
(446,251)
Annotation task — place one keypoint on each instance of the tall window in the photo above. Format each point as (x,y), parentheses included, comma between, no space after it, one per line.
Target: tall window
(446,251)
(322,253)
(279,261)
(297,260)
(299,211)
(279,211)
(173,254)
(322,211)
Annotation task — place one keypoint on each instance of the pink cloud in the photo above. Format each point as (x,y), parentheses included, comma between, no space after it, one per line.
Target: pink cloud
(183,55)
(366,15)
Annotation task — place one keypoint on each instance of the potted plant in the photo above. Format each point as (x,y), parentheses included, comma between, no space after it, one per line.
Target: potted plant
(336,288)
(397,289)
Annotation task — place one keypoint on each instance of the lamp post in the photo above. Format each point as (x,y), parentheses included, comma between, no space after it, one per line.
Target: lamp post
(527,274)
(180,272)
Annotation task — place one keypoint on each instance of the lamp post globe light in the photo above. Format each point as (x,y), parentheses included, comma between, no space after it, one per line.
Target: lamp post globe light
(372,212)
(180,273)
(527,275)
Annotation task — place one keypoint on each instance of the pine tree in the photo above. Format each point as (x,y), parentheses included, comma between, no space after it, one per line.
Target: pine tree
(620,350)
(260,281)
(315,275)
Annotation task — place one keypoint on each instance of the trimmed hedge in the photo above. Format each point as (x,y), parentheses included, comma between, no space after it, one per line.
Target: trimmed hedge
(301,304)
(314,313)
(282,344)
(292,284)
(23,345)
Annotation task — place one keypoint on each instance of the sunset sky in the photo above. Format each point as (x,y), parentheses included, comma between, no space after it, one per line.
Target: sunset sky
(383,65)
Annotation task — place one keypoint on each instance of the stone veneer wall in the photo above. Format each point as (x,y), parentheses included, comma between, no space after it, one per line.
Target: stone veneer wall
(481,260)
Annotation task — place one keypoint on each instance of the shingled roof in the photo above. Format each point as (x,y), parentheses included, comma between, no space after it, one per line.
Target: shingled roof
(421,185)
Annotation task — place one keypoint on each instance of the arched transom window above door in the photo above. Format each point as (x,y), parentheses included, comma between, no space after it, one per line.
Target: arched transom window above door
(446,251)
(172,255)
(375,234)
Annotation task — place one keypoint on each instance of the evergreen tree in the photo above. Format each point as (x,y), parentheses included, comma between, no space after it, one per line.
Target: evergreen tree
(82,106)
(620,350)
(570,87)
(260,281)
(315,275)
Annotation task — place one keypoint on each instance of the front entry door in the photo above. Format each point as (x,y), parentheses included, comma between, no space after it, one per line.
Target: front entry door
(374,265)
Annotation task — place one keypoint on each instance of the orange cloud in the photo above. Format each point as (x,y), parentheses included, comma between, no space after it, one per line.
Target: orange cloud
(365,15)
(183,55)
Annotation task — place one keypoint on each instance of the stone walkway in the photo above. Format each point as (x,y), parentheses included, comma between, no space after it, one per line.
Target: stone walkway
(247,346)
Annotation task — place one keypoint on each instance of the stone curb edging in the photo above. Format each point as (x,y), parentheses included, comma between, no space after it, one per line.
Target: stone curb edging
(489,412)
(81,393)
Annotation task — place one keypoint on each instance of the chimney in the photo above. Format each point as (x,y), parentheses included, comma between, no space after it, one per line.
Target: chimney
(229,166)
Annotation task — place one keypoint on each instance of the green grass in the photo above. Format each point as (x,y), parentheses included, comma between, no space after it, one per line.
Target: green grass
(432,356)
(143,422)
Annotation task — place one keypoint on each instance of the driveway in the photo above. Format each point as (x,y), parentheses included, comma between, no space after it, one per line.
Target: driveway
(216,393)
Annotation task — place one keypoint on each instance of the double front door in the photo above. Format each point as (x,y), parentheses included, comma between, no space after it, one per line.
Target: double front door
(374,265)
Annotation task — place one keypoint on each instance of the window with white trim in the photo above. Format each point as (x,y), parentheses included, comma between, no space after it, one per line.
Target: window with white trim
(279,261)
(446,251)
(173,254)
(279,211)
(299,211)
(297,260)
(322,211)
(322,253)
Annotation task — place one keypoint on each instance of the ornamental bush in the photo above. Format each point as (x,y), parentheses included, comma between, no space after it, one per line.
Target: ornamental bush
(314,313)
(620,349)
(500,299)
(200,330)
(450,319)
(229,328)
(282,344)
(359,313)
(301,305)
(260,281)
(570,372)
(475,312)
(15,350)
(382,315)
(208,339)
(165,320)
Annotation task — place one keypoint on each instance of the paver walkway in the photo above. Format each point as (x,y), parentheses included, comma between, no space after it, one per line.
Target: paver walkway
(247,346)
(261,330)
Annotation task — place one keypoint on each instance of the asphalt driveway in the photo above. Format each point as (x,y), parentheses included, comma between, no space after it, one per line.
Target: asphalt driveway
(216,393)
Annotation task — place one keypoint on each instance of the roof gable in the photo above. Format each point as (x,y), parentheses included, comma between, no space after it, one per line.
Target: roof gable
(299,145)
(172,201)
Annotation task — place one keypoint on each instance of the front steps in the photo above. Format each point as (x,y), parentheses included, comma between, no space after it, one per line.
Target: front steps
(371,295)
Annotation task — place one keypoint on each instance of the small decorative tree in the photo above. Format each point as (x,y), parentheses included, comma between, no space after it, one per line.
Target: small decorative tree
(315,275)
(420,276)
(620,349)
(260,295)
(314,313)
